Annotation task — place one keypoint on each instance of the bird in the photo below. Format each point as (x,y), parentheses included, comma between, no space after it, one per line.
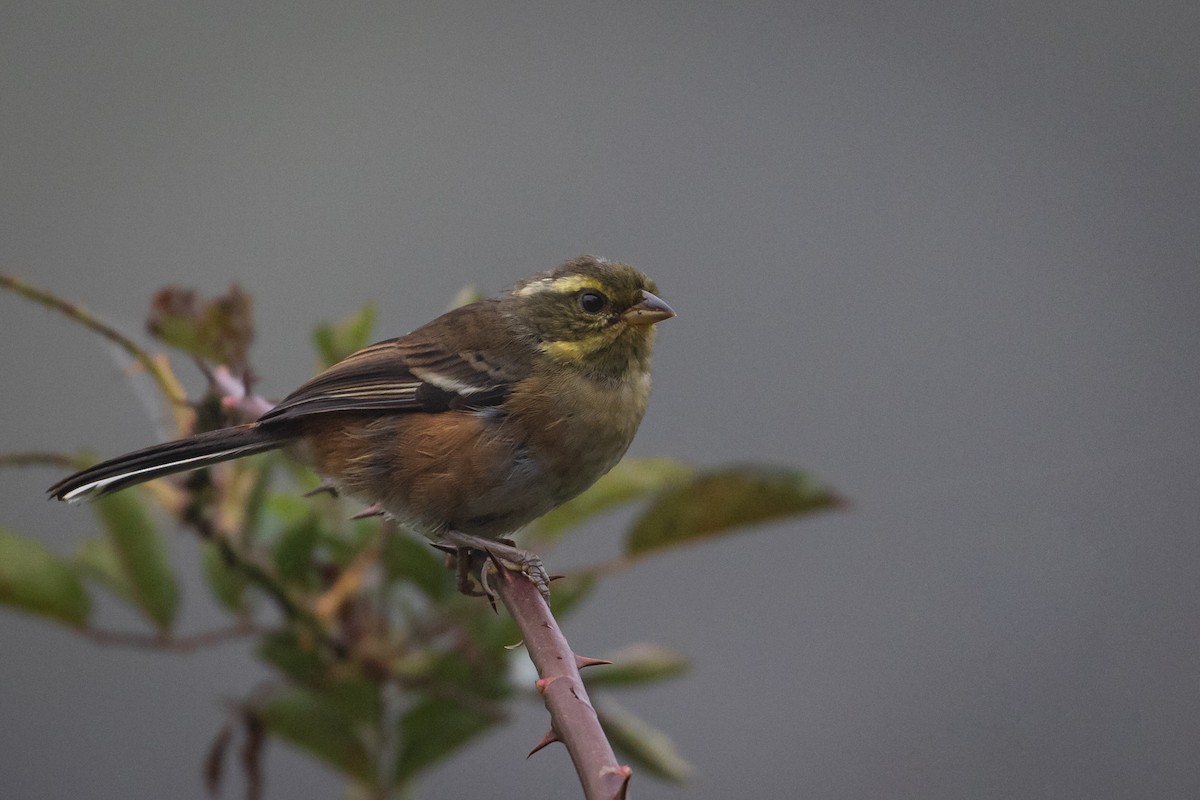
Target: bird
(469,427)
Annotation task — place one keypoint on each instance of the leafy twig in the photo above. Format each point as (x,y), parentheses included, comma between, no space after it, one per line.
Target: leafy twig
(157,369)
(37,458)
(178,644)
(261,577)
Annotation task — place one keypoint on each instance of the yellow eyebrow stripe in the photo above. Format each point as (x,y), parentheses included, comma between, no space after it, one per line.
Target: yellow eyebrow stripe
(565,285)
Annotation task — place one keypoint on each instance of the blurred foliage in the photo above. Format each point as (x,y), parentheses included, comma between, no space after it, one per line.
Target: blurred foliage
(644,745)
(336,340)
(34,579)
(218,330)
(382,668)
(133,559)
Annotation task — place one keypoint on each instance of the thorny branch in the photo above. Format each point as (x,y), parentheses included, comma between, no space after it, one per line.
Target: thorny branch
(573,720)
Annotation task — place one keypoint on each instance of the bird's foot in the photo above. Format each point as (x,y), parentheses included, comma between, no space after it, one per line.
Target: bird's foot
(504,551)
(467,564)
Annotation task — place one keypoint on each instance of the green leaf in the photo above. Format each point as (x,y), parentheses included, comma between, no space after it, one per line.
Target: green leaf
(255,506)
(287,509)
(718,502)
(631,479)
(465,296)
(354,696)
(645,746)
(294,550)
(432,730)
(357,697)
(408,558)
(37,580)
(284,652)
(318,726)
(228,585)
(638,663)
(143,558)
(98,559)
(336,340)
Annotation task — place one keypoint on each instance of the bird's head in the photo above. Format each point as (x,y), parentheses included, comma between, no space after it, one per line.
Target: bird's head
(590,314)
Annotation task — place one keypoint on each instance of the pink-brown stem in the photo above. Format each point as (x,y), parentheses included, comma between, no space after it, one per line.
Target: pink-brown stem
(573,721)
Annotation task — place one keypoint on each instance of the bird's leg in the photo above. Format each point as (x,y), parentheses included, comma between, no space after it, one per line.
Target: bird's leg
(521,560)
(326,485)
(462,571)
(463,564)
(460,559)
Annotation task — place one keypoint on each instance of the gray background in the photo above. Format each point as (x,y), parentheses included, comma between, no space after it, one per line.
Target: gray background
(944,255)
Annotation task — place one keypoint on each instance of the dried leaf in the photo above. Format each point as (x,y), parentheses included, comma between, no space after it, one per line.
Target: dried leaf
(218,329)
(214,762)
(251,753)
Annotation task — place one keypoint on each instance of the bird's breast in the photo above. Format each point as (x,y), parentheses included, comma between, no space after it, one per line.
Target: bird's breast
(578,428)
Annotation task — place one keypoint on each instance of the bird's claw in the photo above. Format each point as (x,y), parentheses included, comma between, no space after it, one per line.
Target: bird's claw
(373,510)
(505,554)
(537,573)
(326,486)
(525,562)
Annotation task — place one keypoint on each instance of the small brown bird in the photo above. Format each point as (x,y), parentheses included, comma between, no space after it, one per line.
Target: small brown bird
(469,427)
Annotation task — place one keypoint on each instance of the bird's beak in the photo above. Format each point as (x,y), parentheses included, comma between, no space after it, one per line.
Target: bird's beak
(649,311)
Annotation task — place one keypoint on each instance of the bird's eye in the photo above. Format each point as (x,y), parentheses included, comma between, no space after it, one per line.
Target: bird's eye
(592,302)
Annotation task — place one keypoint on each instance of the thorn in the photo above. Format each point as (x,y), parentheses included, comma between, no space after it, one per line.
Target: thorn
(543,684)
(325,486)
(626,773)
(550,738)
(373,510)
(583,661)
(445,548)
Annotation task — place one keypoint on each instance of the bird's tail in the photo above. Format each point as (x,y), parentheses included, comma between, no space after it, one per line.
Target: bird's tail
(168,458)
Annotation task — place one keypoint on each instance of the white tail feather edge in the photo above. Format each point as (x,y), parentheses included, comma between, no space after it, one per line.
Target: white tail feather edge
(83,492)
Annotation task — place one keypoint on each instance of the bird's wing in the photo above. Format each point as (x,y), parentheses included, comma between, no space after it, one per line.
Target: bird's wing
(439,367)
